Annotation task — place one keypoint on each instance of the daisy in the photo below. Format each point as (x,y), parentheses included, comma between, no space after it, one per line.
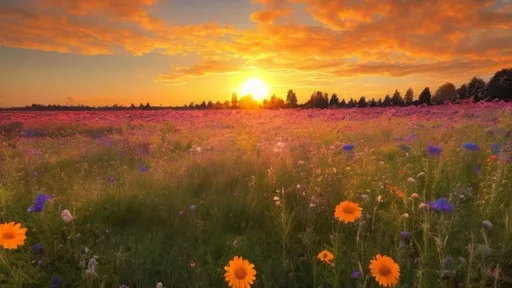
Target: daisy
(385,270)
(240,273)
(347,211)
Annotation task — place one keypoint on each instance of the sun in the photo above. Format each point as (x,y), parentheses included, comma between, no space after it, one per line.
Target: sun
(256,87)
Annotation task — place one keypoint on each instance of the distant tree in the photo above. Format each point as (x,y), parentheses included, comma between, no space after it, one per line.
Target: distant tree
(191,105)
(234,100)
(409,96)
(362,102)
(397,98)
(209,105)
(372,103)
(387,101)
(225,105)
(462,91)
(445,92)
(147,106)
(351,103)
(334,100)
(291,98)
(343,104)
(247,102)
(425,96)
(500,85)
(217,105)
(477,89)
(379,103)
(203,105)
(141,106)
(132,106)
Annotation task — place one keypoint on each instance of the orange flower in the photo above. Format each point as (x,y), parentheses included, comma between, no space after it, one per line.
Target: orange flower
(385,271)
(347,211)
(325,256)
(240,273)
(493,157)
(12,235)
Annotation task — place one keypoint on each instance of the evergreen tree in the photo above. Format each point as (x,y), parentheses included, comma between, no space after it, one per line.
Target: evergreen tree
(409,96)
(362,102)
(334,100)
(425,96)
(397,99)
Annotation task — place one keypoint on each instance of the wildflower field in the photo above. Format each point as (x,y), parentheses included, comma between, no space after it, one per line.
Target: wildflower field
(394,197)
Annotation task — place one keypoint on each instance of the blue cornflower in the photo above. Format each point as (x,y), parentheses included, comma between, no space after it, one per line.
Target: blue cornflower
(38,205)
(405,148)
(143,169)
(348,147)
(470,146)
(434,150)
(56,282)
(37,248)
(405,236)
(495,148)
(441,205)
(356,274)
(476,169)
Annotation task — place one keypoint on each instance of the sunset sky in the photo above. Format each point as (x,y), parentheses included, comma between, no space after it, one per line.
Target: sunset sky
(173,52)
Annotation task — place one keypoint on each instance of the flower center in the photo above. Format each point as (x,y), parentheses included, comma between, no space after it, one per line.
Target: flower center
(8,235)
(325,255)
(384,270)
(240,273)
(348,209)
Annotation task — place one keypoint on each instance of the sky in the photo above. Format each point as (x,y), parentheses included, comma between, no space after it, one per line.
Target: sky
(173,52)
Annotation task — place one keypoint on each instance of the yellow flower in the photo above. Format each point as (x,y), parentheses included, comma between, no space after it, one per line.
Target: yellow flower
(347,211)
(12,235)
(240,273)
(325,256)
(385,270)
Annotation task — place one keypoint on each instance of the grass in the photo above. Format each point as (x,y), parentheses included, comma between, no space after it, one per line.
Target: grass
(143,228)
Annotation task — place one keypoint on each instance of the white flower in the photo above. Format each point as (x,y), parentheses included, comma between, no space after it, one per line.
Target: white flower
(379,198)
(405,216)
(411,180)
(422,206)
(276,198)
(66,216)
(415,195)
(159,285)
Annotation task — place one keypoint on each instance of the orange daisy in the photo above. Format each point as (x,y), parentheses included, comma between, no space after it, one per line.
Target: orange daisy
(325,256)
(240,273)
(385,271)
(12,235)
(347,211)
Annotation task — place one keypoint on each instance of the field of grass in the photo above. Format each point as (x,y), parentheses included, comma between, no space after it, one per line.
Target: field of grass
(172,197)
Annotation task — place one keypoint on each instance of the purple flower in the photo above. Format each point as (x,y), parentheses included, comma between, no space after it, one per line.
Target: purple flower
(496,148)
(434,150)
(143,169)
(37,248)
(405,148)
(38,205)
(56,282)
(470,146)
(111,179)
(405,236)
(356,274)
(441,205)
(348,147)
(476,168)
(192,207)
(412,137)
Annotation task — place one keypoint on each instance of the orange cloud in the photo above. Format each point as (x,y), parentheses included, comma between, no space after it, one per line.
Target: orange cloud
(395,38)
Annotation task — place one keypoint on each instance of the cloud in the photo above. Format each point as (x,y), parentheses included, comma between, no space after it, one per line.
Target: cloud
(352,37)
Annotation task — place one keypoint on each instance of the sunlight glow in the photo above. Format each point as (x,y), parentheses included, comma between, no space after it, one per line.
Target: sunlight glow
(257,87)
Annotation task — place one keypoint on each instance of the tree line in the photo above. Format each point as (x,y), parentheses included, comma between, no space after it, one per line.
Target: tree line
(499,87)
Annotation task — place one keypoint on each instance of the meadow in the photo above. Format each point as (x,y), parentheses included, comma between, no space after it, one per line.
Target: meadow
(173,196)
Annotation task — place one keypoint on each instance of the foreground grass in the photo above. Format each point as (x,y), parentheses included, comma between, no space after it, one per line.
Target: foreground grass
(209,194)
